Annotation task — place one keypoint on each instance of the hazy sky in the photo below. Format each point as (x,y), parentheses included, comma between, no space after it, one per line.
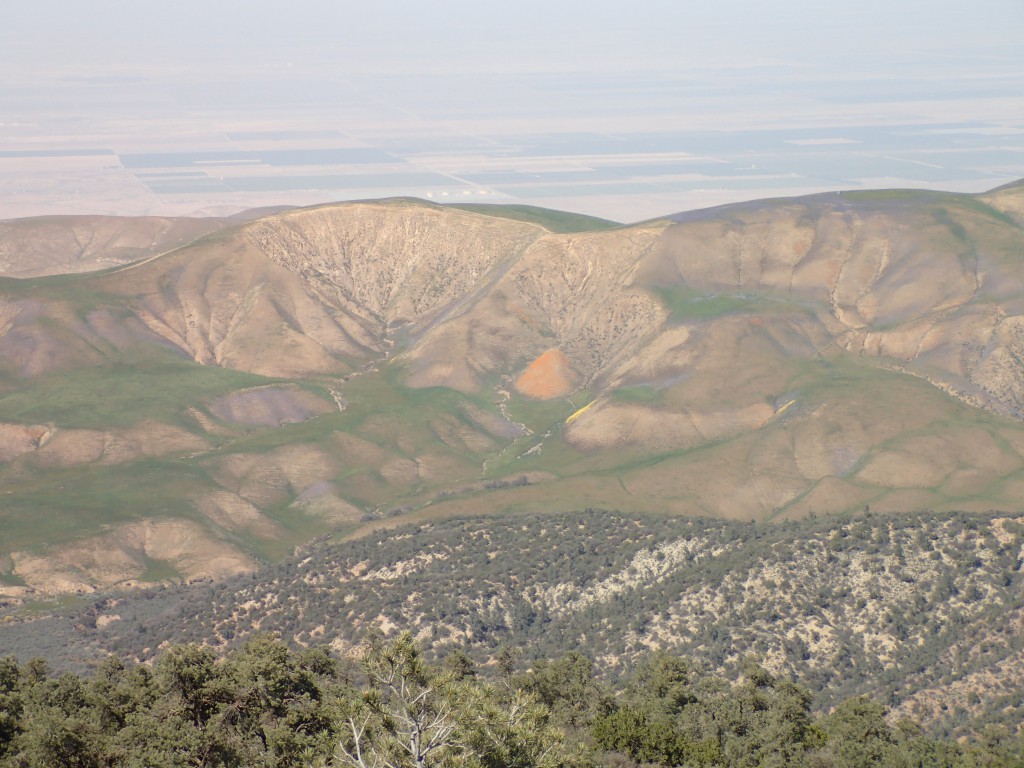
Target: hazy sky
(469,93)
(400,34)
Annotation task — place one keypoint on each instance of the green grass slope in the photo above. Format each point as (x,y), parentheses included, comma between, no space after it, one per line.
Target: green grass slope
(355,366)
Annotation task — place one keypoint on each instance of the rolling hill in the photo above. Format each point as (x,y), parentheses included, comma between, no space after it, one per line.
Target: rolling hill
(214,403)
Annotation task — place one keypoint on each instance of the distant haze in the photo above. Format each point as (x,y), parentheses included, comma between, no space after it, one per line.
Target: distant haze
(621,110)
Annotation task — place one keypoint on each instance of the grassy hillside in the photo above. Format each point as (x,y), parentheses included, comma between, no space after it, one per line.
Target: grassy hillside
(554,221)
(356,366)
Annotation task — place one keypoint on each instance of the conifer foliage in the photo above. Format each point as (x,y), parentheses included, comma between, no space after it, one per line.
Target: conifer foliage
(265,706)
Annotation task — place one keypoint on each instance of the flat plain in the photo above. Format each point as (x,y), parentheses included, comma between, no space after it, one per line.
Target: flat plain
(625,146)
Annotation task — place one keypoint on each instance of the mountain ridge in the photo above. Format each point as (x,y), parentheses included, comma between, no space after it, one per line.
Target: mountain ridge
(339,365)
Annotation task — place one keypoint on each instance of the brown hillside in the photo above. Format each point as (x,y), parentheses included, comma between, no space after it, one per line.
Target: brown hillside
(763,360)
(52,245)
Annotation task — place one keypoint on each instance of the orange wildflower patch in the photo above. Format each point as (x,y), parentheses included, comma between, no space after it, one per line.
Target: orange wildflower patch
(550,375)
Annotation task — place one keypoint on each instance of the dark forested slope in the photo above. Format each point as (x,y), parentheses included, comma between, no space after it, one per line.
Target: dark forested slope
(925,612)
(264,706)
